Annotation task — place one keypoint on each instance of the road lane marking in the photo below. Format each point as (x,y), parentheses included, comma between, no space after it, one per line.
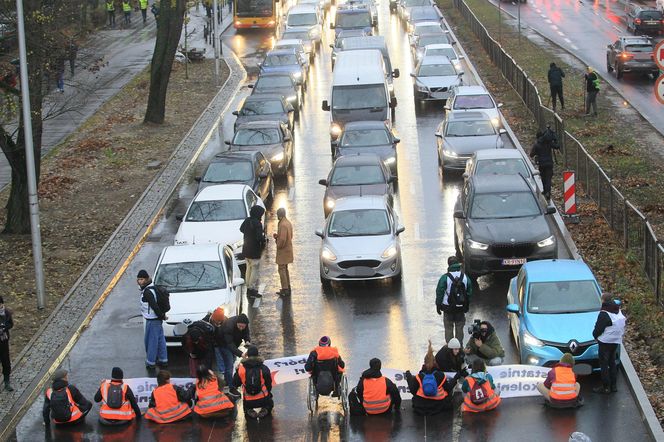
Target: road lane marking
(562,34)
(548,21)
(416,228)
(575,48)
(554,27)
(568,40)
(543,15)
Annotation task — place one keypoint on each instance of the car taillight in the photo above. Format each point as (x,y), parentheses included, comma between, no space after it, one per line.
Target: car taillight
(626,56)
(637,21)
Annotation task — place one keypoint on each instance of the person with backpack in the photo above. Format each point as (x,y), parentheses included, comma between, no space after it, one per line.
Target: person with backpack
(544,152)
(609,330)
(453,294)
(209,400)
(252,248)
(63,403)
(118,403)
(256,381)
(198,343)
(168,403)
(230,335)
(374,393)
(431,389)
(592,89)
(154,306)
(325,366)
(560,388)
(479,389)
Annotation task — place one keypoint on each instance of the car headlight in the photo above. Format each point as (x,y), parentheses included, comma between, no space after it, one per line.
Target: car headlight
(390,160)
(335,130)
(390,252)
(278,157)
(546,242)
(495,122)
(422,88)
(328,254)
(449,153)
(297,74)
(477,245)
(292,98)
(329,203)
(531,340)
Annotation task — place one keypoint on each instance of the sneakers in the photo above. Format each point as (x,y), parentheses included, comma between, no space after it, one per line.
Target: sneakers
(602,389)
(162,364)
(284,292)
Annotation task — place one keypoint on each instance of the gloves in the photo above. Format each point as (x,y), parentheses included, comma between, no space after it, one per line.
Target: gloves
(440,312)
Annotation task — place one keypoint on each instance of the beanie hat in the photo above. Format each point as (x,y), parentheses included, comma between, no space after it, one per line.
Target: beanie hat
(375,364)
(325,341)
(143,274)
(117,374)
(59,374)
(567,358)
(454,343)
(452,260)
(218,315)
(252,351)
(242,319)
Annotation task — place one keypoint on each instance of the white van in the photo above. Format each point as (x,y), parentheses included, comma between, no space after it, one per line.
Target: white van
(373,42)
(306,17)
(360,90)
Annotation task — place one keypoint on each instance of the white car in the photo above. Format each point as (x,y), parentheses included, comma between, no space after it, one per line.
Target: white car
(199,278)
(422,28)
(434,77)
(446,50)
(473,99)
(215,216)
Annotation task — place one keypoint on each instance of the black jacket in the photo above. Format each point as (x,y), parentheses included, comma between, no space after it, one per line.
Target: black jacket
(543,148)
(129,397)
(391,389)
(6,323)
(427,407)
(83,404)
(149,295)
(230,337)
(590,82)
(254,236)
(447,361)
(555,76)
(252,362)
(603,319)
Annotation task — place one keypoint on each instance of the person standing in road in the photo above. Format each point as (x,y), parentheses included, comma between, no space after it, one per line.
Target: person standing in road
(256,381)
(284,240)
(542,151)
(555,77)
(252,248)
(154,339)
(452,299)
(72,52)
(118,403)
(609,330)
(6,324)
(110,11)
(144,10)
(486,346)
(233,331)
(64,403)
(592,89)
(126,9)
(374,393)
(198,343)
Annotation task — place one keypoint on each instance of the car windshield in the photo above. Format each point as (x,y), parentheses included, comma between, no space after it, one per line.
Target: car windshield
(191,276)
(563,297)
(359,97)
(477,128)
(365,137)
(360,19)
(429,39)
(504,205)
(447,52)
(266,107)
(639,48)
(436,70)
(357,175)
(512,166)
(361,222)
(280,60)
(424,14)
(409,3)
(428,29)
(211,211)
(256,137)
(650,15)
(254,8)
(306,19)
(273,81)
(483,101)
(225,171)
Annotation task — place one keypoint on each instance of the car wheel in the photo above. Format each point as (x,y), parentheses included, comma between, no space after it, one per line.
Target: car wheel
(619,73)
(326,283)
(609,68)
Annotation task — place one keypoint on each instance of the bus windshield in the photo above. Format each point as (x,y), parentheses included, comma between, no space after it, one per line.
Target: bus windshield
(254,8)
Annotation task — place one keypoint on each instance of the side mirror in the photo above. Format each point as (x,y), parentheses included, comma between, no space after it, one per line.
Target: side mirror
(326,106)
(334,143)
(236,113)
(396,73)
(227,142)
(250,86)
(447,107)
(198,179)
(609,46)
(513,308)
(260,64)
(393,102)
(465,175)
(238,282)
(322,182)
(319,232)
(290,109)
(179,217)
(500,105)
(453,43)
(400,230)
(502,131)
(438,134)
(459,214)
(287,138)
(392,179)
(551,210)
(461,73)
(396,140)
(536,172)
(412,74)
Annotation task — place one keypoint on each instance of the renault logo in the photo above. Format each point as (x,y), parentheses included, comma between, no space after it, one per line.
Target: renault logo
(512,240)
(573,345)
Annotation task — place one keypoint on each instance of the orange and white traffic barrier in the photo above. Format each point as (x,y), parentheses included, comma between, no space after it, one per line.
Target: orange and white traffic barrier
(569,189)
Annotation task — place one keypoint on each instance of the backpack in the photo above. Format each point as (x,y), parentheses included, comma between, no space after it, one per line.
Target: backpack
(60,405)
(429,384)
(458,297)
(163,298)
(205,327)
(325,383)
(479,394)
(253,378)
(114,396)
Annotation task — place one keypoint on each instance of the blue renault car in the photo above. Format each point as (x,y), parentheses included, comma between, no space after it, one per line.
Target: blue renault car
(553,305)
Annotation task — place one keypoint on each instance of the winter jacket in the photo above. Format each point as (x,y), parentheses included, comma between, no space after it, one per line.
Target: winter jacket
(249,363)
(284,242)
(6,324)
(197,350)
(490,348)
(232,337)
(391,389)
(479,377)
(441,288)
(447,361)
(428,407)
(254,236)
(129,396)
(591,78)
(543,148)
(603,319)
(82,403)
(184,395)
(555,76)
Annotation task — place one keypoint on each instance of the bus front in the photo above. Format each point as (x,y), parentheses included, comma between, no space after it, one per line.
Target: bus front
(258,14)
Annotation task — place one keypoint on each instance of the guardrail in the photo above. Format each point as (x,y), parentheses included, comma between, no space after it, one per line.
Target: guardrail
(629,224)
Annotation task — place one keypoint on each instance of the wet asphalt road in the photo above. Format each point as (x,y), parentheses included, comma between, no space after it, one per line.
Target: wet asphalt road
(363,320)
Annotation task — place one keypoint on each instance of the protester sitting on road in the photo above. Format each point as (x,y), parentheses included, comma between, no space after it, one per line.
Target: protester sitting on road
(560,389)
(198,343)
(374,394)
(256,381)
(479,389)
(430,388)
(325,366)
(449,358)
(168,403)
(486,346)
(209,400)
(118,403)
(230,335)
(63,402)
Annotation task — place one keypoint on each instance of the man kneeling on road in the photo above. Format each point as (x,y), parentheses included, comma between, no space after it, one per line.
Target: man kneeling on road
(485,345)
(374,394)
(560,388)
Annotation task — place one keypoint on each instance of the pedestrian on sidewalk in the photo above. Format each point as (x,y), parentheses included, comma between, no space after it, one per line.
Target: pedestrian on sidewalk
(284,240)
(72,52)
(126,9)
(592,89)
(543,152)
(144,9)
(110,11)
(64,403)
(6,324)
(609,330)
(60,73)
(155,342)
(252,248)
(555,76)
(453,299)
(118,403)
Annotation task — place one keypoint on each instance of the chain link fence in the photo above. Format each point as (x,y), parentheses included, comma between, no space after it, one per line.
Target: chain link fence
(627,222)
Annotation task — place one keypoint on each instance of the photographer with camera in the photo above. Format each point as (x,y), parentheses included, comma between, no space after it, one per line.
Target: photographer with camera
(452,299)
(6,323)
(543,151)
(484,344)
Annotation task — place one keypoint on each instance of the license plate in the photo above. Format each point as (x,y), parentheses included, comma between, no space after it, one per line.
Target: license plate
(360,272)
(514,261)
(439,95)
(652,22)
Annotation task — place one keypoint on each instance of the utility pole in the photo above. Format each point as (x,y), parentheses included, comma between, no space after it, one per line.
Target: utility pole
(519,18)
(215,42)
(500,21)
(33,200)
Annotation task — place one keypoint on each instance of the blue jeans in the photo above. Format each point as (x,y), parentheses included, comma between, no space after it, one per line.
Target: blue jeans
(225,360)
(155,343)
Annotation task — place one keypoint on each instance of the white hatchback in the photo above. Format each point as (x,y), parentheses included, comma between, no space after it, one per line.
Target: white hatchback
(473,99)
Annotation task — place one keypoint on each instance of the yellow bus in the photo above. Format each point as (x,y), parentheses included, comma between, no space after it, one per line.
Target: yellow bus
(256,14)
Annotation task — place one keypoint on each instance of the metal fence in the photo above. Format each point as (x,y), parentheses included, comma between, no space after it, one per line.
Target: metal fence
(627,222)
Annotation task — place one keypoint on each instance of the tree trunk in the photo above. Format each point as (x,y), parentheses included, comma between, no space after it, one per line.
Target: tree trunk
(169,29)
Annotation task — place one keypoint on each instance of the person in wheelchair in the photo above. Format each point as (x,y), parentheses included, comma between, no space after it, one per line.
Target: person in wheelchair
(326,367)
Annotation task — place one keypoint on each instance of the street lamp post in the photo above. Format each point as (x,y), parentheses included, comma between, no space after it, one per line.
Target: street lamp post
(215,42)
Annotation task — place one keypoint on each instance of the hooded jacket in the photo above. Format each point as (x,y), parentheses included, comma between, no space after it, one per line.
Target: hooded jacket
(480,377)
(441,288)
(6,323)
(555,76)
(603,319)
(230,337)
(543,148)
(391,388)
(254,236)
(83,404)
(491,346)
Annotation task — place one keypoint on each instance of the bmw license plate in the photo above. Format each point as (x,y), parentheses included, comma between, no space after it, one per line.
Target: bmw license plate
(514,261)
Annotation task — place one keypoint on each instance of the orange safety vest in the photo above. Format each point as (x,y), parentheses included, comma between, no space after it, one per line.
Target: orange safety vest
(440,394)
(75,411)
(168,407)
(124,413)
(491,403)
(242,372)
(328,353)
(375,398)
(210,399)
(563,387)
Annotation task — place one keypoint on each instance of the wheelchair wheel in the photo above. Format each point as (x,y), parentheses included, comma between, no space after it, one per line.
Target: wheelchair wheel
(312,397)
(343,393)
